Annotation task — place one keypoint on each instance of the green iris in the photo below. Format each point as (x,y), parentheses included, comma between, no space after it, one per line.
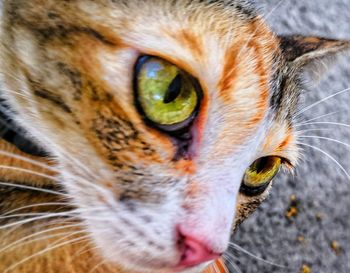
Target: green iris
(166,94)
(262,171)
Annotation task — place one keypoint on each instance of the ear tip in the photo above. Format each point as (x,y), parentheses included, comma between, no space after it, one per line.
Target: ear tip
(344,45)
(307,48)
(347,44)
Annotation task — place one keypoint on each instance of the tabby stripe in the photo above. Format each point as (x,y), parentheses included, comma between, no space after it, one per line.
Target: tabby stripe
(65,31)
(44,94)
(74,76)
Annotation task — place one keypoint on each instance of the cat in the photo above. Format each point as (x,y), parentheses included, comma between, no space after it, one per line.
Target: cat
(163,125)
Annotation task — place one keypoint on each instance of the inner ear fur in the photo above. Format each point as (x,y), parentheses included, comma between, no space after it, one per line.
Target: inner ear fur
(304,50)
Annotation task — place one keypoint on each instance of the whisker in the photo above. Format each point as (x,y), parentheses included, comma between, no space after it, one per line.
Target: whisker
(43,225)
(319,117)
(39,174)
(326,123)
(69,212)
(41,217)
(329,139)
(40,164)
(241,249)
(222,265)
(47,249)
(31,161)
(47,237)
(72,214)
(85,249)
(6,167)
(76,162)
(313,130)
(216,269)
(329,156)
(20,186)
(229,258)
(24,239)
(273,10)
(25,215)
(97,266)
(34,206)
(320,101)
(26,221)
(82,167)
(65,213)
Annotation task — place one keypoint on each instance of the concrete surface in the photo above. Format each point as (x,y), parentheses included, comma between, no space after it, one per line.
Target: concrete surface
(322,188)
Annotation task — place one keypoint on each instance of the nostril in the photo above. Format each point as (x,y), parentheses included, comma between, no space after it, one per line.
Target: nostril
(194,251)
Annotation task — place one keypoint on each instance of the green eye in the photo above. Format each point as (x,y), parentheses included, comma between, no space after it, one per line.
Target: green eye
(167,95)
(259,175)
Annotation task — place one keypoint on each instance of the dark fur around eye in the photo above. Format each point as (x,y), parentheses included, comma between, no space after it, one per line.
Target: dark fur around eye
(249,191)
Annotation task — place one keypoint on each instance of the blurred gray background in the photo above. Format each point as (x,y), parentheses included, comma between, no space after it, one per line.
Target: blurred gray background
(319,235)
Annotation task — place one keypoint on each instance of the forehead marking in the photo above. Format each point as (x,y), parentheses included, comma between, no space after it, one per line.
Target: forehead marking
(188,39)
(260,70)
(229,72)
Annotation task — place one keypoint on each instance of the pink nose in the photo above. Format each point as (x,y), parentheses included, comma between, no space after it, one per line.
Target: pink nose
(194,251)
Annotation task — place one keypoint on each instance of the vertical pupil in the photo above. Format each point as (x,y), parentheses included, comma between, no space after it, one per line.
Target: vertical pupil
(174,89)
(261,164)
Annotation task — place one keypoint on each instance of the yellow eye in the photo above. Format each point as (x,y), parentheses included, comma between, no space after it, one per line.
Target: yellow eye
(259,175)
(167,95)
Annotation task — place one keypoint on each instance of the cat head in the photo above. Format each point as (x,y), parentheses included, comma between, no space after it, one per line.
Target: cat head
(168,119)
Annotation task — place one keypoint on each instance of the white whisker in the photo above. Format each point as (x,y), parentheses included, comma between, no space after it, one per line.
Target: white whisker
(6,167)
(319,117)
(329,139)
(329,156)
(241,249)
(229,258)
(216,268)
(25,159)
(28,160)
(37,226)
(313,130)
(26,221)
(77,163)
(20,186)
(325,123)
(24,239)
(35,206)
(47,249)
(322,100)
(73,213)
(97,266)
(83,250)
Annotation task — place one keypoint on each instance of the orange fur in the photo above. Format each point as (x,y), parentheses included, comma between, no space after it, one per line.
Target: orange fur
(192,42)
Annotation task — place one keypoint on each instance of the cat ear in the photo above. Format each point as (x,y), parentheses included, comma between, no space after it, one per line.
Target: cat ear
(302,51)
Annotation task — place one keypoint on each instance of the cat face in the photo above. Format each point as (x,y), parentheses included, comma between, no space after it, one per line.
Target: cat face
(158,181)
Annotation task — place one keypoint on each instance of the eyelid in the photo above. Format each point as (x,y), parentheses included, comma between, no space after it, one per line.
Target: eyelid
(287,164)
